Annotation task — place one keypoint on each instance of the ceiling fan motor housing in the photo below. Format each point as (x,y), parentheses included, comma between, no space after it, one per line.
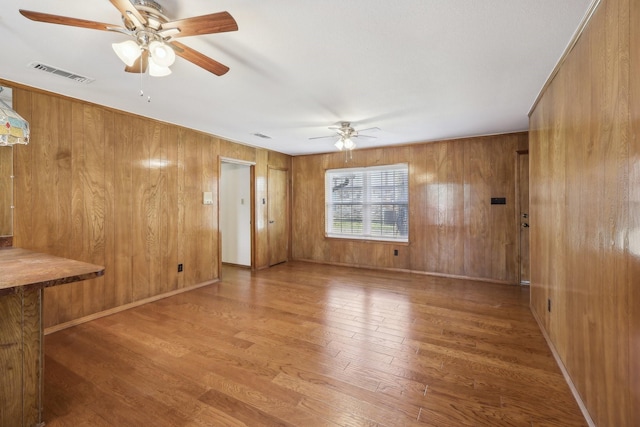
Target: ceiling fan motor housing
(152,11)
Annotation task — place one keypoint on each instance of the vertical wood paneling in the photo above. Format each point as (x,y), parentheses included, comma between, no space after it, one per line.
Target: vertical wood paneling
(418,183)
(45,168)
(192,213)
(583,217)
(62,297)
(78,249)
(451,202)
(182,208)
(209,233)
(237,151)
(278,160)
(154,211)
(430,221)
(453,228)
(6,191)
(171,210)
(538,203)
(123,202)
(93,201)
(634,215)
(109,217)
(476,210)
(23,179)
(140,194)
(260,227)
(124,192)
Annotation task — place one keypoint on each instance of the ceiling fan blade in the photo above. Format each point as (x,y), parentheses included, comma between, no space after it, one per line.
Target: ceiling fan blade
(65,20)
(374,129)
(206,24)
(363,136)
(199,59)
(128,10)
(140,66)
(323,137)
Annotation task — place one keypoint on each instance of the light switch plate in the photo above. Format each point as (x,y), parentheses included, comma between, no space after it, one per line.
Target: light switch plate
(207,198)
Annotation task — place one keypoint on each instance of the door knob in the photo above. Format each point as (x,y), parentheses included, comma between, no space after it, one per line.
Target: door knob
(525,225)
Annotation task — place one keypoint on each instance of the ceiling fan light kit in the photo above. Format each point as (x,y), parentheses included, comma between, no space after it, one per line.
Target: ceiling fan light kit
(161,54)
(346,135)
(156,70)
(128,51)
(345,143)
(152,45)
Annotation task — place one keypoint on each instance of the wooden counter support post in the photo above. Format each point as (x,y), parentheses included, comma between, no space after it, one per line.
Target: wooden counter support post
(20,358)
(23,277)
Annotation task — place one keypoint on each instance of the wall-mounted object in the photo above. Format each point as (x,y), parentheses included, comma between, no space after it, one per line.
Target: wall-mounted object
(498,200)
(207,198)
(13,128)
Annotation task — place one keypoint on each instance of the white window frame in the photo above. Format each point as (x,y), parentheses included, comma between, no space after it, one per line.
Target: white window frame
(400,203)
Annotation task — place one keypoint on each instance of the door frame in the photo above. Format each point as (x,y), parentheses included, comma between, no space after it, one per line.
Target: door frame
(252,192)
(518,218)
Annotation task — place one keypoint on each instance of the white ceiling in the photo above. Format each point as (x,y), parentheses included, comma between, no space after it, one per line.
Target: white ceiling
(420,70)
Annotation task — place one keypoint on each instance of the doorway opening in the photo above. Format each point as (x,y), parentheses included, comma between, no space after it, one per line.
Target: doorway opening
(522,210)
(236,213)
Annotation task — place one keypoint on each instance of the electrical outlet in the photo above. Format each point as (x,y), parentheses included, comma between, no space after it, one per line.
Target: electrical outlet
(180,268)
(395,252)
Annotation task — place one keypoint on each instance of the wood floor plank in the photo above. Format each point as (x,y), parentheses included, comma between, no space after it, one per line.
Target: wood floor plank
(304,344)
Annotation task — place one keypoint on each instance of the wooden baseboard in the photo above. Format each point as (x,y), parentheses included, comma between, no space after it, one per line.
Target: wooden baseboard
(564,371)
(406,270)
(230,264)
(118,309)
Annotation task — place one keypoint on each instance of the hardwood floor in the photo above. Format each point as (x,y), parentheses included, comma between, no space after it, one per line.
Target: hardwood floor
(310,345)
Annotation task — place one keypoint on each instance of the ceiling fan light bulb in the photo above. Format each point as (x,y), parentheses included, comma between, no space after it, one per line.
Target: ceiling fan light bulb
(162,54)
(128,51)
(156,70)
(339,144)
(349,144)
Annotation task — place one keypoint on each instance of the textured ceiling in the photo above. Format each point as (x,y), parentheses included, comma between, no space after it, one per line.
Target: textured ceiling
(420,70)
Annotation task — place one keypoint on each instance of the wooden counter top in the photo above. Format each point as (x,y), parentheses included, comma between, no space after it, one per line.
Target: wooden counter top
(24,268)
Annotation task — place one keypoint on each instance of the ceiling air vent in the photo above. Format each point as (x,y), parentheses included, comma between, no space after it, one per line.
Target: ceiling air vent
(59,72)
(262,135)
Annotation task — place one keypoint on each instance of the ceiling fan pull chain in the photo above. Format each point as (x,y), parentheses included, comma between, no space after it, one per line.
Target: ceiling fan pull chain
(142,91)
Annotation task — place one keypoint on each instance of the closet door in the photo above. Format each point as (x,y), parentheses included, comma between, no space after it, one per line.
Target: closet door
(278,211)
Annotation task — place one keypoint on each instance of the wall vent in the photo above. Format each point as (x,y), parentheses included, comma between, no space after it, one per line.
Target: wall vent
(59,72)
(262,135)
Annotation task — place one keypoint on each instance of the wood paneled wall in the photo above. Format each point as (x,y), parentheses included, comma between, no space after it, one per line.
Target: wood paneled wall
(6,190)
(113,189)
(585,213)
(453,228)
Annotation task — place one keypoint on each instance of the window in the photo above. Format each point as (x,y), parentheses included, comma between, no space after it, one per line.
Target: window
(368,203)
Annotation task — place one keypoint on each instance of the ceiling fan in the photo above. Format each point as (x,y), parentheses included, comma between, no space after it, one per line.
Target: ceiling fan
(152,45)
(346,135)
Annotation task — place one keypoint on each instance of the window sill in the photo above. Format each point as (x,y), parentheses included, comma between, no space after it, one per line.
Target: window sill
(368,241)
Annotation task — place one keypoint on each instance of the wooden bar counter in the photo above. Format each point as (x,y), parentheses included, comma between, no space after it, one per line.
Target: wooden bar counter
(23,276)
